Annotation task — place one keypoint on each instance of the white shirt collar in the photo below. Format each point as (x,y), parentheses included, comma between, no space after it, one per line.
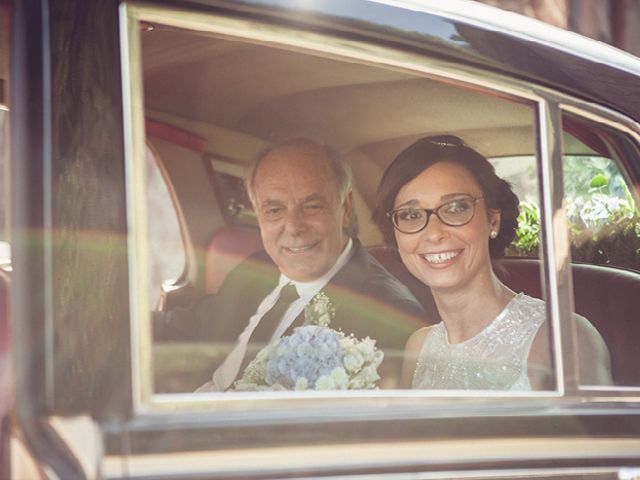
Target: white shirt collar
(307,290)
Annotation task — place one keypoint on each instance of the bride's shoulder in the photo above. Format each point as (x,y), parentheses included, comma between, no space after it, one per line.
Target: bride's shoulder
(417,339)
(411,353)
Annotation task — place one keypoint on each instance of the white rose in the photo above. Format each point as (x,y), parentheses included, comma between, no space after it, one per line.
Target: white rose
(340,377)
(370,373)
(366,345)
(353,361)
(378,357)
(325,382)
(302,383)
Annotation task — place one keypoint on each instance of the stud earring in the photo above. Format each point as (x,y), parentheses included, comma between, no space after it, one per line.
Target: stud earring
(493,234)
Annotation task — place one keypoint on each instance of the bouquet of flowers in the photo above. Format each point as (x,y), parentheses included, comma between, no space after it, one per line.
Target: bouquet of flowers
(314,357)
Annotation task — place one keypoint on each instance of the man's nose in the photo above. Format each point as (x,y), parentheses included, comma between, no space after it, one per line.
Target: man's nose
(295,221)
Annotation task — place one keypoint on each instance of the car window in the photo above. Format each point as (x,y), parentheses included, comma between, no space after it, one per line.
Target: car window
(602,212)
(366,112)
(164,230)
(603,224)
(602,228)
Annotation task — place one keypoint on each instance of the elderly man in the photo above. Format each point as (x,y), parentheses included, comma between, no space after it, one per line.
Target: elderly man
(301,193)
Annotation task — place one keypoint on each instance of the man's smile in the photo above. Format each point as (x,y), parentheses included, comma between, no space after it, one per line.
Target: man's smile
(300,249)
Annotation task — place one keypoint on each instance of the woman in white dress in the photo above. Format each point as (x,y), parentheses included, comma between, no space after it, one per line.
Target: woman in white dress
(448,215)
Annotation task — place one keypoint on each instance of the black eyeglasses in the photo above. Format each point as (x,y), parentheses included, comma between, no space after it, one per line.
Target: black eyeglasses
(455,213)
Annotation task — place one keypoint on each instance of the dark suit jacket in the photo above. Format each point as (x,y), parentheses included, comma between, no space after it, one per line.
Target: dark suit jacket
(368,301)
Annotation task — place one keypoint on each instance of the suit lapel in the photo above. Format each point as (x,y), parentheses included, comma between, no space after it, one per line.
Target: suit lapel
(349,278)
(250,285)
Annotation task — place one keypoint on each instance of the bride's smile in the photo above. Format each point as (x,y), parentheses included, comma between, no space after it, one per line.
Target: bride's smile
(441,259)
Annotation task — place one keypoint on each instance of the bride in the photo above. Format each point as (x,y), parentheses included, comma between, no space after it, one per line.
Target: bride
(448,214)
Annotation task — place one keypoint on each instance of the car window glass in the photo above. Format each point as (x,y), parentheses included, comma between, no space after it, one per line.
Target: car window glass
(368,114)
(166,249)
(602,212)
(603,218)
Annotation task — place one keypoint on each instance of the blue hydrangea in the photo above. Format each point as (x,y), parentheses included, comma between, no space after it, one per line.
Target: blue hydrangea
(310,352)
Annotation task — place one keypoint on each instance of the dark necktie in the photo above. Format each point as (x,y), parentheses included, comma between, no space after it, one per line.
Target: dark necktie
(270,321)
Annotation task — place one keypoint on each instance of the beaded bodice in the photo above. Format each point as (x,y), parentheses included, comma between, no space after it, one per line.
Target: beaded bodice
(495,359)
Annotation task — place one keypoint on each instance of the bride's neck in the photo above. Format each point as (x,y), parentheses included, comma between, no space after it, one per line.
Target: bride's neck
(467,311)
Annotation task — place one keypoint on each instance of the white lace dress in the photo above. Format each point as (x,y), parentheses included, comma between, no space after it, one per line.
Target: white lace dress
(495,359)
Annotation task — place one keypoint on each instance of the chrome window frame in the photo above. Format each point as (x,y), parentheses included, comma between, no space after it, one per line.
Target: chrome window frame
(547,104)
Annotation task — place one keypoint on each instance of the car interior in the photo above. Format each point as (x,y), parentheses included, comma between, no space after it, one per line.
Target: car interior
(212,103)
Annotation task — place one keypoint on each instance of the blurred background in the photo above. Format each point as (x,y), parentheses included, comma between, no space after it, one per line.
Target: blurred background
(616,22)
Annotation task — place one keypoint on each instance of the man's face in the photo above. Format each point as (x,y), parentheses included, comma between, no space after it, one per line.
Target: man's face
(300,214)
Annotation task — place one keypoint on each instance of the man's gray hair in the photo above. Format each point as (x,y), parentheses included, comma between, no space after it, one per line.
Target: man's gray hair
(340,168)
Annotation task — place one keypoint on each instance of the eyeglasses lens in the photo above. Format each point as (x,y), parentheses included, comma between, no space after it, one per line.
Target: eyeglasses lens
(455,213)
(409,219)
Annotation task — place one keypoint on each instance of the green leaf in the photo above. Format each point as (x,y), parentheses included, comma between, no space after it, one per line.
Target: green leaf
(599,181)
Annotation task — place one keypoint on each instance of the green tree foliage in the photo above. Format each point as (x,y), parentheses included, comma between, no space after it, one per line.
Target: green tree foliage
(527,239)
(604,221)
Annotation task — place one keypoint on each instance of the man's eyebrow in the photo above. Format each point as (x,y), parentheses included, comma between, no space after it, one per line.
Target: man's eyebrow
(314,197)
(271,203)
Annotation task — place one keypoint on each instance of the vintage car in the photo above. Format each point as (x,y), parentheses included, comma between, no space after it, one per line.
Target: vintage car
(131,127)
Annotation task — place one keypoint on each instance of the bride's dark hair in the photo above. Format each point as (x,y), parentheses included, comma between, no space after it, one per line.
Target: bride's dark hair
(427,151)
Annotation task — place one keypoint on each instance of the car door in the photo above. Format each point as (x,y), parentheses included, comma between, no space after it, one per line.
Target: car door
(207,86)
